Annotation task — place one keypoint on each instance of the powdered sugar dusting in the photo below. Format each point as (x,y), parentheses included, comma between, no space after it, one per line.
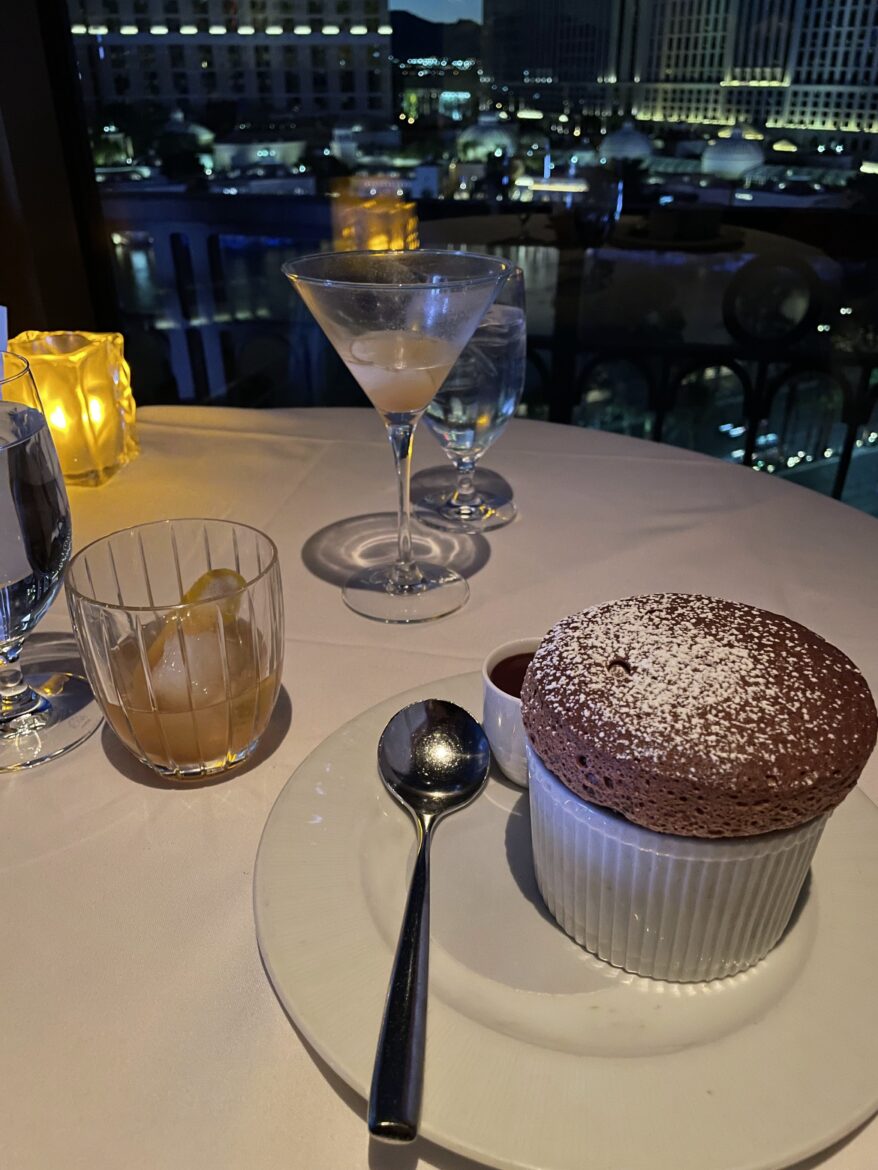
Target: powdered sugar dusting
(698,716)
(697,685)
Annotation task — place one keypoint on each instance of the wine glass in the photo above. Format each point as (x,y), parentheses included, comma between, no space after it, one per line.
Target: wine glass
(399,321)
(596,211)
(477,400)
(49,712)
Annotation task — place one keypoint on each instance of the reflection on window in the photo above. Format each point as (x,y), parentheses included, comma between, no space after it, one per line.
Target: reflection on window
(694,198)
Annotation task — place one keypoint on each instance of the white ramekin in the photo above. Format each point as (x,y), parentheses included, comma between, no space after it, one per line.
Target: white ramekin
(501,714)
(684,909)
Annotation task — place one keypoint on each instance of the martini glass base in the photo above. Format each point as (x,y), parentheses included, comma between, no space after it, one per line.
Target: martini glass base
(376,594)
(484,516)
(69,716)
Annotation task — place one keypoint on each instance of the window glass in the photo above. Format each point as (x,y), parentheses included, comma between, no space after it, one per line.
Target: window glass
(691,189)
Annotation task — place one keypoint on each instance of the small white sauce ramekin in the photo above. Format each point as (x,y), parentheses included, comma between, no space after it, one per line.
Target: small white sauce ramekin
(684,909)
(501,714)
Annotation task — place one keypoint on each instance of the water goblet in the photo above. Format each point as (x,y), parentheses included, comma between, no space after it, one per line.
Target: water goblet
(399,321)
(49,711)
(476,401)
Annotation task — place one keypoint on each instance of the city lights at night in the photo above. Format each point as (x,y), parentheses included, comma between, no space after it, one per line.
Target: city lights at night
(676,133)
(680,90)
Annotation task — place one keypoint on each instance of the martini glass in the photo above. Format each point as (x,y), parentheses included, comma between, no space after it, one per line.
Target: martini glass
(399,321)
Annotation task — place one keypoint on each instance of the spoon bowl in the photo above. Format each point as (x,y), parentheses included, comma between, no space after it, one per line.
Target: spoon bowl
(434,759)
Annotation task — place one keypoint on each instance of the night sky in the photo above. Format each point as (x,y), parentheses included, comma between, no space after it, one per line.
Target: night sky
(448,10)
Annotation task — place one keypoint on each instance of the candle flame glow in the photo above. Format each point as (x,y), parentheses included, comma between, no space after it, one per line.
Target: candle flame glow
(58,418)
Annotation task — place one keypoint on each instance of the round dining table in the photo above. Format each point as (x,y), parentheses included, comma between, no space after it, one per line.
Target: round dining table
(140,1028)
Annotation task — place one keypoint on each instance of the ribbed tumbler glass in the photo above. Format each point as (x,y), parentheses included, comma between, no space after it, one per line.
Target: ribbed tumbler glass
(180,625)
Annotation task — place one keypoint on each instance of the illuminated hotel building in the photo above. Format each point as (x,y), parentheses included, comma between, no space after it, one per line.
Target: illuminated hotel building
(312,58)
(796,64)
(549,52)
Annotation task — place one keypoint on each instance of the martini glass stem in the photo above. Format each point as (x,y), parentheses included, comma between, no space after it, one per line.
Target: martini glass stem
(401,435)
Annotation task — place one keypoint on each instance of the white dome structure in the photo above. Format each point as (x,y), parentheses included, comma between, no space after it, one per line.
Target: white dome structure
(732,157)
(626,143)
(480,142)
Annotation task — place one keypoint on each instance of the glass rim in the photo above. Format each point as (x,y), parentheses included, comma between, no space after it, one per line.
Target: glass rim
(178,606)
(506,266)
(35,336)
(16,357)
(7,445)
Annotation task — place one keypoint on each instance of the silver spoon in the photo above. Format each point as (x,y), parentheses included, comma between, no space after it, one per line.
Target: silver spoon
(433,759)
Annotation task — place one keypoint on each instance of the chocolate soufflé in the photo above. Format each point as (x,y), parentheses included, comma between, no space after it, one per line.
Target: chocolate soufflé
(697,716)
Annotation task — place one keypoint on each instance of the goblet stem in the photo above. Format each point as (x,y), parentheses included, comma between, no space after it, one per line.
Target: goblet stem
(465,494)
(401,435)
(16,697)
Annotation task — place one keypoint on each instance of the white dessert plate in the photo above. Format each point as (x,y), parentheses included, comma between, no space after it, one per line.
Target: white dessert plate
(538,1055)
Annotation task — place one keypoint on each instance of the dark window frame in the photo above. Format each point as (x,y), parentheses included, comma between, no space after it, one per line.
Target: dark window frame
(58,271)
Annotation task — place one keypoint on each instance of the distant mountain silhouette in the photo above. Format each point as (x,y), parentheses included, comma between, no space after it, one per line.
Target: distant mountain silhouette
(415,37)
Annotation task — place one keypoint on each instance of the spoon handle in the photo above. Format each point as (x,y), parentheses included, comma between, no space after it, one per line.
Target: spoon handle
(395,1097)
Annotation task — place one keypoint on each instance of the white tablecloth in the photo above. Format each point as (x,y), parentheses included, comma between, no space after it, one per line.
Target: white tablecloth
(139,1028)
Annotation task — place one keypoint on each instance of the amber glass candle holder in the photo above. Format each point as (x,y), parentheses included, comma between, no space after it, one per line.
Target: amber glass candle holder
(84,384)
(379,224)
